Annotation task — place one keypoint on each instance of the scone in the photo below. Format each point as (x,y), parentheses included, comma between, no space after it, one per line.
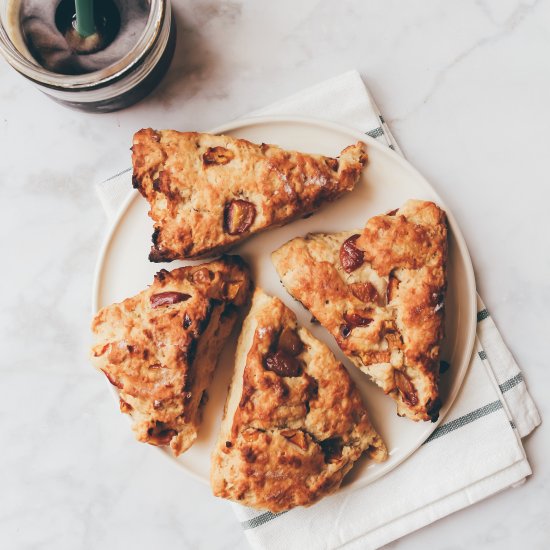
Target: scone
(294,423)
(381,293)
(160,347)
(207,193)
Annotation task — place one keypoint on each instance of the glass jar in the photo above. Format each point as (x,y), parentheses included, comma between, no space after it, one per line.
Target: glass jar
(112,88)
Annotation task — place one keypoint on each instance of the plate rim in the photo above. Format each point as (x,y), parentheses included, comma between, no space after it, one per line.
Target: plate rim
(405,164)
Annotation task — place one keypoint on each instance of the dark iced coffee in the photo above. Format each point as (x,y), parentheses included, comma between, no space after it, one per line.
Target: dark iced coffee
(116,65)
(47,27)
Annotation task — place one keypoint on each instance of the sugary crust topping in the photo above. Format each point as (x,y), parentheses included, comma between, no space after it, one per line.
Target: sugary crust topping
(151,346)
(383,301)
(208,192)
(292,437)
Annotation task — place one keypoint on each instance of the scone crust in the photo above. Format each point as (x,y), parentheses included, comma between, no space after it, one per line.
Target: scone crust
(290,439)
(197,185)
(160,347)
(397,295)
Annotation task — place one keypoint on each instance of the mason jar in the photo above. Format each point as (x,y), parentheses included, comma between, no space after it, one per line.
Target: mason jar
(109,89)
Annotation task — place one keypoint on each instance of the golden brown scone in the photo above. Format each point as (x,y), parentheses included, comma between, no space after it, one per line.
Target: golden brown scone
(294,423)
(208,193)
(381,293)
(160,347)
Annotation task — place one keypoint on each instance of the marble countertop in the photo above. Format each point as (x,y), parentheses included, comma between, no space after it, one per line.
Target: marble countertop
(464,87)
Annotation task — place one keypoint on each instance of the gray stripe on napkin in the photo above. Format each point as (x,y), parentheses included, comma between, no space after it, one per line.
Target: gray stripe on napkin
(478,413)
(377,132)
(260,520)
(509,384)
(444,429)
(483,314)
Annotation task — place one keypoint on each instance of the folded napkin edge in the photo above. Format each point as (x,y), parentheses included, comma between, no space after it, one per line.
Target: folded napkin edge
(511,477)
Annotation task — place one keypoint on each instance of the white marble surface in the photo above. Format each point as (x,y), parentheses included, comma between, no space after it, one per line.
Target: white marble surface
(465,88)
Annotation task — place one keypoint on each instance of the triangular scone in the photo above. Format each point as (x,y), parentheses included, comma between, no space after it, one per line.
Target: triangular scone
(208,192)
(160,347)
(294,423)
(381,293)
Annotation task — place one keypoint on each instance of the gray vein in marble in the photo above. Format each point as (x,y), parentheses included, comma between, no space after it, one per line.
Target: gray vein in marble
(504,31)
(71,473)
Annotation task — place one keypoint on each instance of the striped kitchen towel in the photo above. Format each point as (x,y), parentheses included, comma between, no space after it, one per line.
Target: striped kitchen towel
(476,451)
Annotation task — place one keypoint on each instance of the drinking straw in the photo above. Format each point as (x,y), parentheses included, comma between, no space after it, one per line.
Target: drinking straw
(85,25)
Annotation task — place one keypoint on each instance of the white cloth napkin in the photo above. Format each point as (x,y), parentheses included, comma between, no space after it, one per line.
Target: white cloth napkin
(476,451)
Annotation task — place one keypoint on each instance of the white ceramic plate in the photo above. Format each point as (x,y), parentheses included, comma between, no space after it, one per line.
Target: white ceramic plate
(123,270)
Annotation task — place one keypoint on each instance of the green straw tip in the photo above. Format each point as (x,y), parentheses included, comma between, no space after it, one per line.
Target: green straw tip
(85,21)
